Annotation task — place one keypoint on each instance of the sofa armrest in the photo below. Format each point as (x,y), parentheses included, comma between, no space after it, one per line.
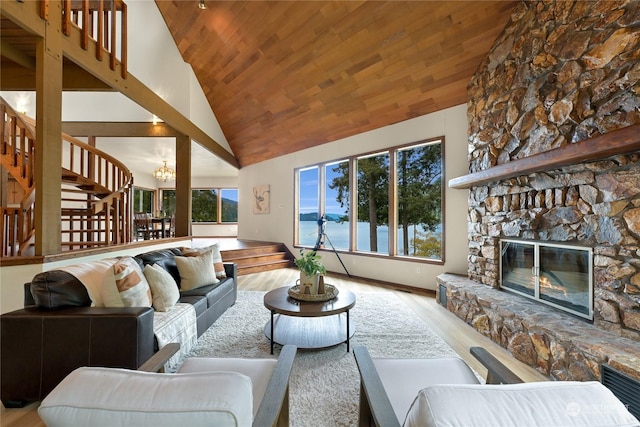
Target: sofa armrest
(274,407)
(497,373)
(375,407)
(231,270)
(41,347)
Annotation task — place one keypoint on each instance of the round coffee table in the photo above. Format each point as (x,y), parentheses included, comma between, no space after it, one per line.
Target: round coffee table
(309,324)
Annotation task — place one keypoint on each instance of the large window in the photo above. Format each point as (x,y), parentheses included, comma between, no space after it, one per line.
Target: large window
(207,204)
(387,202)
(143,200)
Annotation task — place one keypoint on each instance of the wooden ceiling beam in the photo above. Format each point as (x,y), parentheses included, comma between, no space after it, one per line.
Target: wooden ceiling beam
(119,129)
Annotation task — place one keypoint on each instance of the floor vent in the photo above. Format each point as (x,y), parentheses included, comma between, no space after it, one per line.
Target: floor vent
(442,297)
(624,387)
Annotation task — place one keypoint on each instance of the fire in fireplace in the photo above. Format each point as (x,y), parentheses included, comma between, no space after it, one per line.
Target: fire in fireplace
(557,275)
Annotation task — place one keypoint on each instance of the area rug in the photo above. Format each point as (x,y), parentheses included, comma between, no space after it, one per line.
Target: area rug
(324,385)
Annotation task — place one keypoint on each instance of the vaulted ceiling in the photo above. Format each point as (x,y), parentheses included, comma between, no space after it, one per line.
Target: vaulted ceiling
(282,76)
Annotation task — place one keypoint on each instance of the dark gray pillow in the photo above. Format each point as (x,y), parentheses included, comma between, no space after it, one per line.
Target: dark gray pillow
(57,288)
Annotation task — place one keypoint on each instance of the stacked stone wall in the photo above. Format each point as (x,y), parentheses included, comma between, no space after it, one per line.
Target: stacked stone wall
(561,72)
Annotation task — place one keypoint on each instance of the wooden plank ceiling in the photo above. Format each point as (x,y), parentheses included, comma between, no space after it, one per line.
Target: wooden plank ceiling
(283,76)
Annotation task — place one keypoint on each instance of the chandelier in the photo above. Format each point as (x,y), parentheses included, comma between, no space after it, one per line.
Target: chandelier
(164,173)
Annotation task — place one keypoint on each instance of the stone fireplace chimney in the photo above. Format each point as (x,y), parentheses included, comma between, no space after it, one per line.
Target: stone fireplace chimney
(561,73)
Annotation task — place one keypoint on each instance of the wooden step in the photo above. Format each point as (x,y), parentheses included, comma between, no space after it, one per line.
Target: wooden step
(253,257)
(258,268)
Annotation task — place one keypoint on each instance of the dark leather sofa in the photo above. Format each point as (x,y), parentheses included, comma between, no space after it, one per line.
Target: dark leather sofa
(57,331)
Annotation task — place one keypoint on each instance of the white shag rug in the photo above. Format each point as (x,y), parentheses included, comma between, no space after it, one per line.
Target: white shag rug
(325,384)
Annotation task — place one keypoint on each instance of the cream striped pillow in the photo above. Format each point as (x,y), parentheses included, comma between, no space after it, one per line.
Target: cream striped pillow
(131,283)
(218,266)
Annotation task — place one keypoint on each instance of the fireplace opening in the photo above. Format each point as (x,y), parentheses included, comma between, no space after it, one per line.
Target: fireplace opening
(557,275)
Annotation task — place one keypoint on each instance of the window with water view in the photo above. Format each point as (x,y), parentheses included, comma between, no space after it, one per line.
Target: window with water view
(399,189)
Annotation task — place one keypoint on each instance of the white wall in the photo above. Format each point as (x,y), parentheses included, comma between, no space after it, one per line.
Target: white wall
(279,173)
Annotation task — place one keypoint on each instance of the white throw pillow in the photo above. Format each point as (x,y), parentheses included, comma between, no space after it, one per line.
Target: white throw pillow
(196,271)
(543,404)
(164,289)
(109,397)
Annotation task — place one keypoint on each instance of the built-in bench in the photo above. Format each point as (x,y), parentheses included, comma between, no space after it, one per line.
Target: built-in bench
(557,344)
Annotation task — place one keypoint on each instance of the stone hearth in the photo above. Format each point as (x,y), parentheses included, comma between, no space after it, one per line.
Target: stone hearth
(559,346)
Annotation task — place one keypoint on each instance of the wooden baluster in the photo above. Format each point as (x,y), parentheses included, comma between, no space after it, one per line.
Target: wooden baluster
(85,25)
(112,48)
(100,33)
(32,162)
(23,157)
(13,135)
(3,127)
(44,9)
(66,18)
(123,42)
(2,231)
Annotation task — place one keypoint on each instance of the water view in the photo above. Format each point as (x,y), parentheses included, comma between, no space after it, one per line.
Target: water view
(338,233)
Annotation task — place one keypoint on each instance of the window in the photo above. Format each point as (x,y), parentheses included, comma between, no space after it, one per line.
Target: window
(204,205)
(308,202)
(419,185)
(336,204)
(169,202)
(373,203)
(229,205)
(387,202)
(207,204)
(143,200)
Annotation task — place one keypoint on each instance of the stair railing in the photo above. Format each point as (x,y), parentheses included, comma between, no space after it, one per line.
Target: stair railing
(105,216)
(98,20)
(108,182)
(17,151)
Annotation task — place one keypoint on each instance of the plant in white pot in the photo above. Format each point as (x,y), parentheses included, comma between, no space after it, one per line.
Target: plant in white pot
(311,267)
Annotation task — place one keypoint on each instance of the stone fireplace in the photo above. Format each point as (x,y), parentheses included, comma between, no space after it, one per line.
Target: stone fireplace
(560,74)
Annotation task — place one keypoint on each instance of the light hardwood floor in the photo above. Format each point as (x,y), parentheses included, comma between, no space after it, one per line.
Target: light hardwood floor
(453,330)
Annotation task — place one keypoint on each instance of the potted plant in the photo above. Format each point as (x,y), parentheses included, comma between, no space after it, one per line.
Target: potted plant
(311,267)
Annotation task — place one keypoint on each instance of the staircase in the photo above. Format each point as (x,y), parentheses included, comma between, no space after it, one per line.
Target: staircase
(94,192)
(255,257)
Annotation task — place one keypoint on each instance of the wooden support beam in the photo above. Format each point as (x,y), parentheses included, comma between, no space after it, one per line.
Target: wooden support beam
(617,142)
(16,77)
(183,186)
(119,129)
(48,137)
(16,55)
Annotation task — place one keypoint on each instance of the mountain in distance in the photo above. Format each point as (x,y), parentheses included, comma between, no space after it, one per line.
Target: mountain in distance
(313,216)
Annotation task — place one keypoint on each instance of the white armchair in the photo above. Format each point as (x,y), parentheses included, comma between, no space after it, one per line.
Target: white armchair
(445,391)
(205,391)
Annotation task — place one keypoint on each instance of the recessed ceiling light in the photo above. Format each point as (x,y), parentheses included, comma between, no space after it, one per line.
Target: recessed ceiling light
(202,5)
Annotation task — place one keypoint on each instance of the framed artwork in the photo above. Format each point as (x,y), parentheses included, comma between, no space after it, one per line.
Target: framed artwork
(261,199)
